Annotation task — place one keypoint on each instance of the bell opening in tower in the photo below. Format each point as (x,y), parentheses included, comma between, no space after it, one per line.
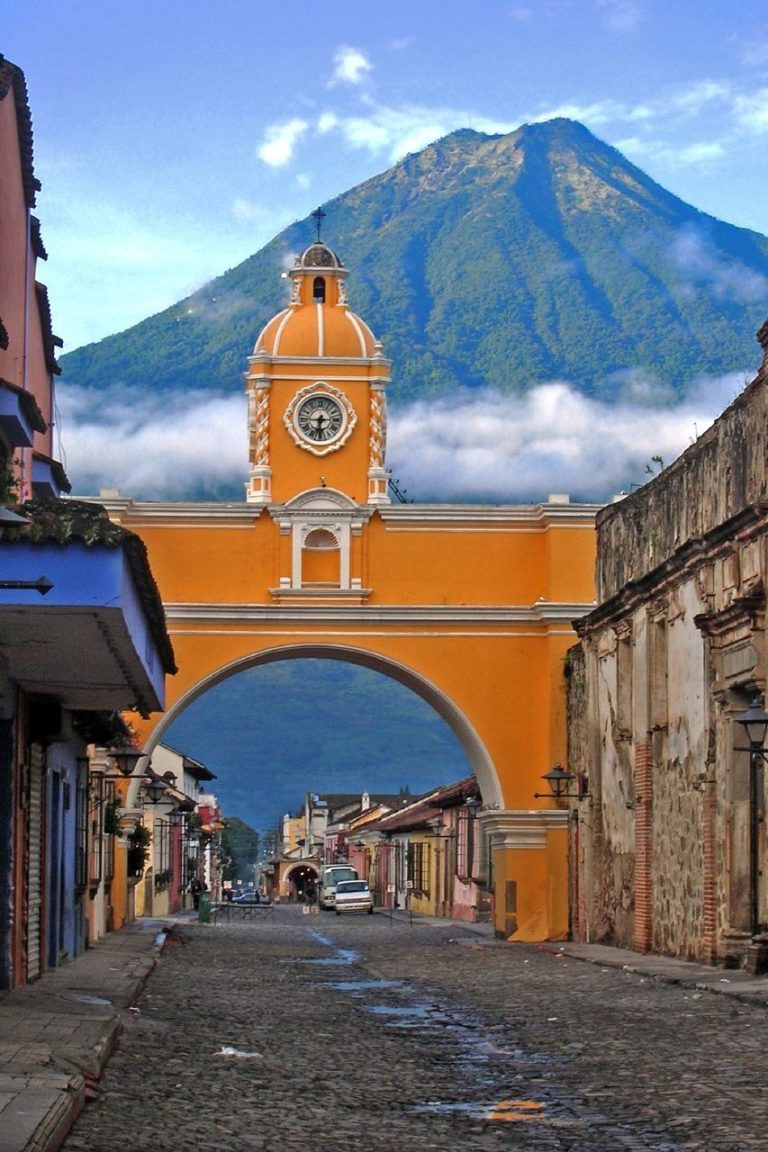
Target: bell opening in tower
(318,290)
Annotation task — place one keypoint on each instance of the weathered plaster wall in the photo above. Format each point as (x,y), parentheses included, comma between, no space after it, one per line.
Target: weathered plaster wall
(602,829)
(667,660)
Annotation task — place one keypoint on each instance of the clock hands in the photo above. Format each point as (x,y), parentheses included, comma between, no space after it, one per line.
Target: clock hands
(320,420)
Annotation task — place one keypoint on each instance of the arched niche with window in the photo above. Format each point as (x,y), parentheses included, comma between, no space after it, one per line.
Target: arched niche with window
(320,563)
(318,290)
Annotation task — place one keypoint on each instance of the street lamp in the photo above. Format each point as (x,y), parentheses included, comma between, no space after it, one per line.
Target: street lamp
(558,780)
(755,724)
(126,758)
(155,789)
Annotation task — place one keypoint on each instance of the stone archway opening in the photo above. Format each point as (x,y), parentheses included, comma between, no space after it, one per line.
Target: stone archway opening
(474,757)
(299,883)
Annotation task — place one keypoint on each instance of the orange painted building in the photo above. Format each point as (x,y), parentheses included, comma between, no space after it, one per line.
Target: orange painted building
(468,605)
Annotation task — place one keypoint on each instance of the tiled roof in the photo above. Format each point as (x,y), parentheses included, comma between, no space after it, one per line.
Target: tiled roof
(28,405)
(49,340)
(12,78)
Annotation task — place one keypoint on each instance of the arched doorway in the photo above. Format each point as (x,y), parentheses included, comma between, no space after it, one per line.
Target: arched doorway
(298,884)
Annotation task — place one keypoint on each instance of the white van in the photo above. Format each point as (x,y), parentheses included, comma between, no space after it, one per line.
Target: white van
(329,878)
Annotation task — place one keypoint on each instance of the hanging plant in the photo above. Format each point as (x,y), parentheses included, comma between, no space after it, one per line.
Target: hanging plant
(139,841)
(9,482)
(112,818)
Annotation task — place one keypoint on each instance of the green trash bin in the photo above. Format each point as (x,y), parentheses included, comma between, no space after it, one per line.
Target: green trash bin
(204,908)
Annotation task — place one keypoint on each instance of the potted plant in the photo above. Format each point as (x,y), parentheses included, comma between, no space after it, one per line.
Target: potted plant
(139,841)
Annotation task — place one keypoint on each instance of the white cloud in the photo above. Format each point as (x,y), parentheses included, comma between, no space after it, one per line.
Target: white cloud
(700,263)
(397,131)
(507,449)
(247,210)
(351,66)
(699,96)
(622,15)
(699,153)
(485,446)
(138,448)
(702,152)
(752,110)
(280,141)
(393,131)
(754,53)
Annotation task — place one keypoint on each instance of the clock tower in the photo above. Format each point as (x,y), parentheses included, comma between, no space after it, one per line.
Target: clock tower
(316,394)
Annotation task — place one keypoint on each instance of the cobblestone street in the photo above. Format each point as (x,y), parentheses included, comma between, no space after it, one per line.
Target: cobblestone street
(294,1033)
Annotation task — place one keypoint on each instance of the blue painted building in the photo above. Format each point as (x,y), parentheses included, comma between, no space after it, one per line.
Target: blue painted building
(82,629)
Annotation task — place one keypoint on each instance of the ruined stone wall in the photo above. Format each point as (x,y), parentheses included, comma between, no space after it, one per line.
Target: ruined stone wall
(672,654)
(723,471)
(602,908)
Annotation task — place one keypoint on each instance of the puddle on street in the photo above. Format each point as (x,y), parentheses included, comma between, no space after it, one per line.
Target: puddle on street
(363,985)
(502,1111)
(340,958)
(486,1063)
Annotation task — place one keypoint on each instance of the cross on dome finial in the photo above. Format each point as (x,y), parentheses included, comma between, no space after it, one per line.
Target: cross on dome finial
(318,216)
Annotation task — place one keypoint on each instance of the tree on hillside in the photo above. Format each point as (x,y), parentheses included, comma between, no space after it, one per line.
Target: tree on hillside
(240,844)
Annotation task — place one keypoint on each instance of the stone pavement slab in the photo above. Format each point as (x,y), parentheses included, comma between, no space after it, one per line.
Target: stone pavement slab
(57,1034)
(726,982)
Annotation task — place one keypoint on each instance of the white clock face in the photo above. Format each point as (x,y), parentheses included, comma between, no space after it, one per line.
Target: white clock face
(319,418)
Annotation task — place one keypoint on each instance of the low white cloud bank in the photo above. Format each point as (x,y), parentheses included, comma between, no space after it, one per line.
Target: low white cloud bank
(480,447)
(552,439)
(155,448)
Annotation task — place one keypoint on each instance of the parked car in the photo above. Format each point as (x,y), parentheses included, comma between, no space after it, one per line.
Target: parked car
(353,896)
(251,897)
(329,878)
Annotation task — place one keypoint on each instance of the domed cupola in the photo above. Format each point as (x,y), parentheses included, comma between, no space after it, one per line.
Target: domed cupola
(316,384)
(317,321)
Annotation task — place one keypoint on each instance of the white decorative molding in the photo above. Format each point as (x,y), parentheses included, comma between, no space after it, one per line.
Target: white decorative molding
(258,426)
(378,428)
(263,357)
(496,517)
(325,508)
(522,829)
(501,623)
(258,490)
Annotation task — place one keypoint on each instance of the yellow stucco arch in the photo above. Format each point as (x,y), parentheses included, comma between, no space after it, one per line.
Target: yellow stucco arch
(470,606)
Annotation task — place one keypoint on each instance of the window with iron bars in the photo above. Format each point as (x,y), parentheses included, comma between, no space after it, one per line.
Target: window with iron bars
(418,867)
(161,839)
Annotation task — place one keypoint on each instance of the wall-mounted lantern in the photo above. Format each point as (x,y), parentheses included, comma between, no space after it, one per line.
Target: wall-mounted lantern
(559,781)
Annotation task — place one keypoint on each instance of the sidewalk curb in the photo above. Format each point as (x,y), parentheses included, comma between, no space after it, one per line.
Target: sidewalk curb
(52,1056)
(739,984)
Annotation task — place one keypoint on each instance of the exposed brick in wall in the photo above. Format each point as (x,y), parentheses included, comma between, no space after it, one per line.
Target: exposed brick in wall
(710,874)
(643,847)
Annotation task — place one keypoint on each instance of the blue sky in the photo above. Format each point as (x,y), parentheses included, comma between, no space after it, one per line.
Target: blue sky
(174,139)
